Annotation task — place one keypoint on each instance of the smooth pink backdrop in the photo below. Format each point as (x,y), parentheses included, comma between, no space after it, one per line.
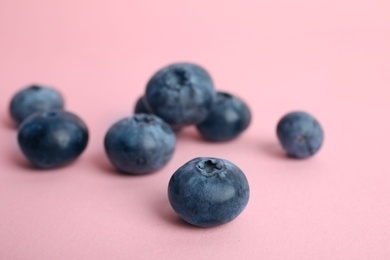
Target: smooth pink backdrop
(331,58)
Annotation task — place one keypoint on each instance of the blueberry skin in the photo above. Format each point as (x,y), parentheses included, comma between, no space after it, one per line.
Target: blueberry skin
(140,107)
(228,118)
(300,134)
(181,94)
(208,192)
(53,138)
(140,144)
(34,99)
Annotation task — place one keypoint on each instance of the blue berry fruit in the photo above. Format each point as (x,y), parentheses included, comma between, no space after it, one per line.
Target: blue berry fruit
(208,192)
(140,144)
(53,138)
(34,99)
(140,107)
(300,134)
(228,118)
(181,94)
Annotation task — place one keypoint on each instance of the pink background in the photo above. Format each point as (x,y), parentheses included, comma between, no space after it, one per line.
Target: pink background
(331,58)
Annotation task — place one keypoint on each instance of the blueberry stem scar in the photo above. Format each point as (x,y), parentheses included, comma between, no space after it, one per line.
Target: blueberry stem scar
(210,167)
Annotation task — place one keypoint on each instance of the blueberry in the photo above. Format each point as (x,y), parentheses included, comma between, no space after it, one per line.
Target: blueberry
(140,107)
(228,118)
(300,134)
(208,192)
(34,99)
(181,94)
(53,138)
(140,144)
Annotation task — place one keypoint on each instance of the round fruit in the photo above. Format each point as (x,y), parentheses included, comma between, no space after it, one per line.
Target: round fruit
(34,99)
(181,94)
(208,192)
(300,134)
(53,138)
(228,118)
(140,107)
(140,144)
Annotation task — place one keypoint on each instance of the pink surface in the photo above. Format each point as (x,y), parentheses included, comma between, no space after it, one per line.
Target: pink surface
(331,58)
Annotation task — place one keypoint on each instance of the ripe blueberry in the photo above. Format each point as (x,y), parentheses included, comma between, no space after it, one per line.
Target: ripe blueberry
(34,99)
(140,144)
(208,192)
(52,138)
(228,118)
(181,94)
(300,134)
(140,107)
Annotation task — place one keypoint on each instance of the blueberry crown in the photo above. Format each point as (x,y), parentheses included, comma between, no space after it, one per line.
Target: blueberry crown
(144,118)
(177,78)
(210,167)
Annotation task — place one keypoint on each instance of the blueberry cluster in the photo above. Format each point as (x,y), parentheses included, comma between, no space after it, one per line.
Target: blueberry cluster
(204,191)
(176,96)
(183,94)
(48,135)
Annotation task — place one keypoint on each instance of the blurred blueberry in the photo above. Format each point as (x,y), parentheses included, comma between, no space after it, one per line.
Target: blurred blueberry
(52,138)
(208,192)
(140,107)
(34,99)
(228,118)
(181,94)
(300,134)
(140,144)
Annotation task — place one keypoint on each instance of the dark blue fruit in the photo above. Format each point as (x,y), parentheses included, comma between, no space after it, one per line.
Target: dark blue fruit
(181,94)
(34,99)
(228,118)
(140,107)
(140,144)
(53,138)
(208,192)
(300,134)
